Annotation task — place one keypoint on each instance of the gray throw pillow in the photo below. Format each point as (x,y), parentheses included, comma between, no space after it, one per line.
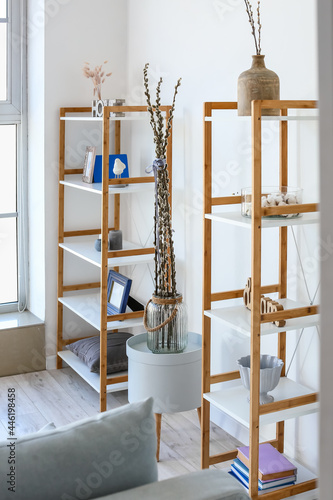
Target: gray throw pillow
(97,456)
(88,351)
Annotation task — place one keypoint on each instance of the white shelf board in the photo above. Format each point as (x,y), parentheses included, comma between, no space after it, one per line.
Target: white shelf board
(234,117)
(86,251)
(100,118)
(75,181)
(303,474)
(239,319)
(233,402)
(87,306)
(236,219)
(92,379)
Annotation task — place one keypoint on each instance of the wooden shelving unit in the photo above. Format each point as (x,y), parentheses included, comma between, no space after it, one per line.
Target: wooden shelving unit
(89,300)
(291,400)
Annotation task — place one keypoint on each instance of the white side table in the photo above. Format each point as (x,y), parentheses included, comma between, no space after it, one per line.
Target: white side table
(173,380)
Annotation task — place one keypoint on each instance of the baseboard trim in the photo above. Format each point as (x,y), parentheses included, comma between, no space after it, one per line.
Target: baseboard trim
(51,362)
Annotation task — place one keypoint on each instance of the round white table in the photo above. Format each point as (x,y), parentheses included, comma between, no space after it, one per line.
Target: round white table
(173,380)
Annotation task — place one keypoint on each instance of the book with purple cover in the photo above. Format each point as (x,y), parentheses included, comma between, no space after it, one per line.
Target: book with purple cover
(272,464)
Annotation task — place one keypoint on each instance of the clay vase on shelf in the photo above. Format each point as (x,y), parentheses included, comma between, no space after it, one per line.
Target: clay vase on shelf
(256,83)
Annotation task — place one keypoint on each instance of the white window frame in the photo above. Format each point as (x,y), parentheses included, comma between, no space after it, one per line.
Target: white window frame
(13,112)
(12,107)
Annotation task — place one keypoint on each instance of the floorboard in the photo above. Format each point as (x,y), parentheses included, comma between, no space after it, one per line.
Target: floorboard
(53,402)
(61,396)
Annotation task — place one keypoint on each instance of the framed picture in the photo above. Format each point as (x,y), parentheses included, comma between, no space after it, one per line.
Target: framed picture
(112,158)
(89,163)
(118,291)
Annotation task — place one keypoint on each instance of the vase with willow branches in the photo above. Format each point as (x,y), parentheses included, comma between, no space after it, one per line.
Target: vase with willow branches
(165,315)
(258,82)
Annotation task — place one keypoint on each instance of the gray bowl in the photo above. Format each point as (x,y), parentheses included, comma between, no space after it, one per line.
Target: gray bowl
(270,371)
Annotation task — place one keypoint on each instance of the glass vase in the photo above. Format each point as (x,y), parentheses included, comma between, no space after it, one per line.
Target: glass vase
(166,323)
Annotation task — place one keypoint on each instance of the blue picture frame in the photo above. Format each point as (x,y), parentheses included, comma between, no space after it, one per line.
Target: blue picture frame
(118,291)
(112,158)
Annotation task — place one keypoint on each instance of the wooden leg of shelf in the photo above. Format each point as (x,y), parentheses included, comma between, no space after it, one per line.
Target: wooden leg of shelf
(102,402)
(59,363)
(158,419)
(255,299)
(205,423)
(199,414)
(281,355)
(116,211)
(206,348)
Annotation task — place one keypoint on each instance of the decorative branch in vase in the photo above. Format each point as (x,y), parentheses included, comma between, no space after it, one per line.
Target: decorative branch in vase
(257,40)
(258,82)
(165,317)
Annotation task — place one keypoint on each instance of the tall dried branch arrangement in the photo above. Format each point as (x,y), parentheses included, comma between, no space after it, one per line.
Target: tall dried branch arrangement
(256,36)
(98,77)
(165,269)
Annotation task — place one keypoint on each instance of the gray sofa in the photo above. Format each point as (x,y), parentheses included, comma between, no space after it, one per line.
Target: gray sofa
(110,456)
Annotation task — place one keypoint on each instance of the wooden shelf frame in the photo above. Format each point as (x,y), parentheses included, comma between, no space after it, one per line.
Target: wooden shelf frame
(257,224)
(104,191)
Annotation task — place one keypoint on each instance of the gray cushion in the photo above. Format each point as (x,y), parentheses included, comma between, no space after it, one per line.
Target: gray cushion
(88,351)
(104,454)
(207,484)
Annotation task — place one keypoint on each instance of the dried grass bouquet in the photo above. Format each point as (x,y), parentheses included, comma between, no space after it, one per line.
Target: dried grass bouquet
(98,77)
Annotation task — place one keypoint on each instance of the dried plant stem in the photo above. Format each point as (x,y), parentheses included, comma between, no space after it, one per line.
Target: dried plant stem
(165,270)
(249,11)
(259,27)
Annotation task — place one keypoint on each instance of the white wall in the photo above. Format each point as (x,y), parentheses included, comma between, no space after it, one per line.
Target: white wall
(75,31)
(208,43)
(36,146)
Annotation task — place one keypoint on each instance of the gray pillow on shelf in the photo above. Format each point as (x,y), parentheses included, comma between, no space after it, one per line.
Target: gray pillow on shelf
(88,351)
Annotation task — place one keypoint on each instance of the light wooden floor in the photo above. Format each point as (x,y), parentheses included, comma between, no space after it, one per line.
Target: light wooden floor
(61,396)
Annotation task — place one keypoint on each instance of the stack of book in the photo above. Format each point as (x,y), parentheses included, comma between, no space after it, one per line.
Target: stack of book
(274,468)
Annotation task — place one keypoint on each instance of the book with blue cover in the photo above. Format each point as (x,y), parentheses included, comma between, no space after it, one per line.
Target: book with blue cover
(262,485)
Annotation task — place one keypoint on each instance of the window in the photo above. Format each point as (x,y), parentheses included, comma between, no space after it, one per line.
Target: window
(12,156)
(3,49)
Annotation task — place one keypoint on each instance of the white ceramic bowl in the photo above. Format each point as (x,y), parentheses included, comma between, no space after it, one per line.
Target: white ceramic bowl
(270,371)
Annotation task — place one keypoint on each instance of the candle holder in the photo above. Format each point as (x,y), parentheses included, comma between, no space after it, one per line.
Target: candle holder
(115,239)
(98,244)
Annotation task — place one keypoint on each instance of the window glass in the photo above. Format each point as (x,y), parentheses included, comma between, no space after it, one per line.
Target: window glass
(8,169)
(3,61)
(3,9)
(8,260)
(13,245)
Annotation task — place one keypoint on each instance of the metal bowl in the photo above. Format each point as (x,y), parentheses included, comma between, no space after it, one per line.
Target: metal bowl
(270,371)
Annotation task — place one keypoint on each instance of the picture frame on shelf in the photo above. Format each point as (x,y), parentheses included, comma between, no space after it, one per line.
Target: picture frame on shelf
(89,164)
(112,175)
(118,292)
